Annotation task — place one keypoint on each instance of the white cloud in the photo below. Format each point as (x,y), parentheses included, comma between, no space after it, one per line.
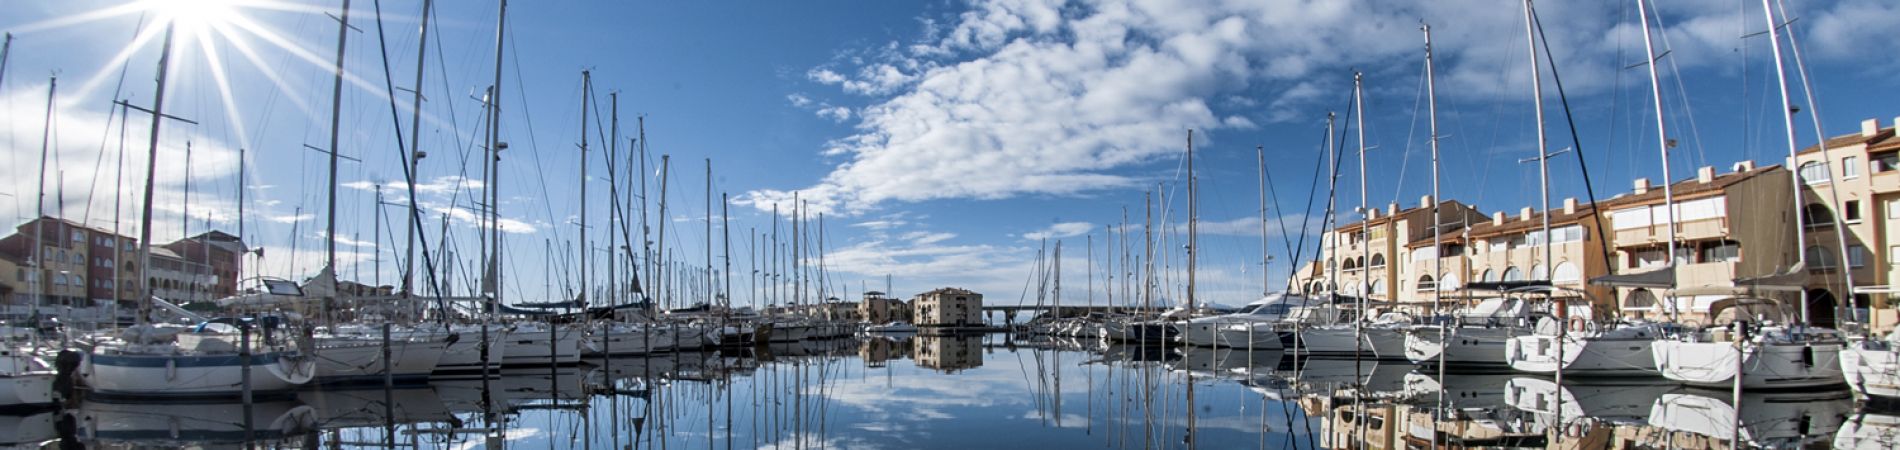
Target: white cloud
(798,100)
(1060,230)
(835,113)
(1050,97)
(291,218)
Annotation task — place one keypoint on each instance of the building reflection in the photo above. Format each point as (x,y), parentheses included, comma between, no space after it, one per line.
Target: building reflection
(948,354)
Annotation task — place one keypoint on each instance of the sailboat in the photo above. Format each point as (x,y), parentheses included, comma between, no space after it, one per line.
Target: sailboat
(1872,367)
(1750,352)
(26,380)
(1360,336)
(165,362)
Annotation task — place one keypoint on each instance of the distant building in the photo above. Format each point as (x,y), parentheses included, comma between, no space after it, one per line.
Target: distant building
(949,307)
(879,308)
(78,266)
(215,254)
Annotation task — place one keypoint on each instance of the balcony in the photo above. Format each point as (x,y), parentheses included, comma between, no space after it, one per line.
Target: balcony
(1657,234)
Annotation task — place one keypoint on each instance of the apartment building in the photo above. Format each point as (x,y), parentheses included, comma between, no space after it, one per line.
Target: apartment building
(1853,193)
(1376,257)
(79,266)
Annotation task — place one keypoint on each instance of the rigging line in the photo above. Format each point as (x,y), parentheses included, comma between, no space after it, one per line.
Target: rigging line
(1682,92)
(1312,190)
(1411,132)
(1576,142)
(117,90)
(534,147)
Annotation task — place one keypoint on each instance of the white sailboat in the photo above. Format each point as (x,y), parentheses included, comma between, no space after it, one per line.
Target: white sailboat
(1872,367)
(26,380)
(1475,338)
(1579,345)
(1253,327)
(1767,354)
(533,343)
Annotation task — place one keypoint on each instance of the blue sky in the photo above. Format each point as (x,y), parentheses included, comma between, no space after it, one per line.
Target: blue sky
(940,138)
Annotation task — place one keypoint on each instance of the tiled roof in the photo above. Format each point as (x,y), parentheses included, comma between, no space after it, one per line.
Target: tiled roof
(1688,188)
(1884,137)
(1517,223)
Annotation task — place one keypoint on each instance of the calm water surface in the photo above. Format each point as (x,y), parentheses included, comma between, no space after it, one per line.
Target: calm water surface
(990,391)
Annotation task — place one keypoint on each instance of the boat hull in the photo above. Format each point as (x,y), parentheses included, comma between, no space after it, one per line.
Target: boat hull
(361,361)
(1872,369)
(183,376)
(1377,343)
(1763,366)
(1229,335)
(539,347)
(1584,355)
(1462,347)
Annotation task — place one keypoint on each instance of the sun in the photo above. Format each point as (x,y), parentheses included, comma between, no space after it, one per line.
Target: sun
(194,16)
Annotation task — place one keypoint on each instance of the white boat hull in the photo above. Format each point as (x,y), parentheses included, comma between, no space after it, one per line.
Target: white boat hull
(629,341)
(1770,366)
(1376,343)
(360,360)
(1872,369)
(532,347)
(1583,354)
(175,376)
(1462,347)
(1230,335)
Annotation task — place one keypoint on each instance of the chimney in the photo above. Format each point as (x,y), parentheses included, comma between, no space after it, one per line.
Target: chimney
(1705,174)
(1392,209)
(1497,218)
(1372,213)
(1641,185)
(1744,166)
(1524,214)
(1870,127)
(1425,201)
(1570,205)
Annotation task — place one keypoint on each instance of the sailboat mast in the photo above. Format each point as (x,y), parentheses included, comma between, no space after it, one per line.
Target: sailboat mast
(1787,121)
(495,146)
(666,283)
(1266,281)
(1365,211)
(336,117)
(710,281)
(39,205)
(414,220)
(1193,213)
(1662,144)
(1543,152)
(1438,246)
(587,87)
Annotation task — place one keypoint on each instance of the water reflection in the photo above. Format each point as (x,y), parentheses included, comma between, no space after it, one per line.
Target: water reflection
(983,391)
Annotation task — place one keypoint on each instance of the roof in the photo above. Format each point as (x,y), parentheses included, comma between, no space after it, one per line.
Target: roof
(1518,223)
(1688,188)
(25,227)
(1446,205)
(1883,138)
(950,290)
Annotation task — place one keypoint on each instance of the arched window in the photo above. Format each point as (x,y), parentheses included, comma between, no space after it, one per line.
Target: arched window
(1540,272)
(1640,299)
(1566,272)
(1426,283)
(1816,215)
(1349,265)
(1378,260)
(1814,172)
(1513,274)
(1820,258)
(1378,288)
(1489,276)
(1448,282)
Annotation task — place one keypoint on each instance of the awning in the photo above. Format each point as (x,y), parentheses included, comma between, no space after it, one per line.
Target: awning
(1661,278)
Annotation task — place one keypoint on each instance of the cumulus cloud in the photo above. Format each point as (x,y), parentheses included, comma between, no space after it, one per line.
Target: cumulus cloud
(1049,97)
(1060,230)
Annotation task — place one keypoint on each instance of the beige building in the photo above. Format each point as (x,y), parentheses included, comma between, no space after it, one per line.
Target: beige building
(1855,184)
(1374,257)
(949,308)
(1513,248)
(879,308)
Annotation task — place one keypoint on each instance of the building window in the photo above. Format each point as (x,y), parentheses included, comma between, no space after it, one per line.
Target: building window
(1721,251)
(59,279)
(1566,272)
(1850,211)
(1885,162)
(1856,256)
(1378,260)
(1640,299)
(79,236)
(1816,215)
(1850,168)
(1513,274)
(1814,172)
(1654,257)
(1819,258)
(1426,283)
(1488,276)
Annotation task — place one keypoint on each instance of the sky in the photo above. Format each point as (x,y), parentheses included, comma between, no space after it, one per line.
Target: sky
(943,141)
